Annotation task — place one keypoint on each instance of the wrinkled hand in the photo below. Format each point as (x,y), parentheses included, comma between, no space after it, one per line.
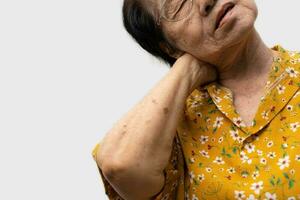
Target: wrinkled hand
(201,72)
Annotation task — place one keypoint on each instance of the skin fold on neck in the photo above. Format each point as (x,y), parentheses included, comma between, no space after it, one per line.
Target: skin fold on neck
(246,67)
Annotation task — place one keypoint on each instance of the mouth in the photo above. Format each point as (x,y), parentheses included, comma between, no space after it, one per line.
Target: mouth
(222,13)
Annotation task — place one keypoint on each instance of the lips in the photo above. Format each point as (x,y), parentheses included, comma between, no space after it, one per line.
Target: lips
(223,11)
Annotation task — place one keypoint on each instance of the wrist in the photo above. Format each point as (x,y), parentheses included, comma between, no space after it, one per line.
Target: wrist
(190,74)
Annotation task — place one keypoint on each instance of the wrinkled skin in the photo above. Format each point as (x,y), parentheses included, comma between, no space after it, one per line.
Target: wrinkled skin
(196,34)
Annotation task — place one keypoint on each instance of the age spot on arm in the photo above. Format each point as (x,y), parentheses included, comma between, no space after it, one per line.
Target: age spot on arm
(166,110)
(123,132)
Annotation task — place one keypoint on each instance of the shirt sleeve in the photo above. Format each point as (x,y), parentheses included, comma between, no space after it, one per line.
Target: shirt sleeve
(172,173)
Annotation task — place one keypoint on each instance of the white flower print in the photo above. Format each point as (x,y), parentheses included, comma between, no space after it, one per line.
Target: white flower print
(174,185)
(293,61)
(234,134)
(239,195)
(263,161)
(194,197)
(196,104)
(192,159)
(291,198)
(192,176)
(216,98)
(250,147)
(217,90)
(289,107)
(204,153)
(257,187)
(228,96)
(220,139)
(238,121)
(218,122)
(242,154)
(165,197)
(231,170)
(280,89)
(199,114)
(186,195)
(297,158)
(201,177)
(265,114)
(251,197)
(259,152)
(271,155)
(240,139)
(219,160)
(204,95)
(248,160)
(255,174)
(294,126)
(285,145)
(270,143)
(197,96)
(284,162)
(292,72)
(270,196)
(278,59)
(203,139)
(245,158)
(208,169)
(245,174)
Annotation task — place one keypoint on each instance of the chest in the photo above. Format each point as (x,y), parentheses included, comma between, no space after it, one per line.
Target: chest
(247,106)
(221,168)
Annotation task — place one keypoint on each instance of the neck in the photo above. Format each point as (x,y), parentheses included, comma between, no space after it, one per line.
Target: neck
(244,63)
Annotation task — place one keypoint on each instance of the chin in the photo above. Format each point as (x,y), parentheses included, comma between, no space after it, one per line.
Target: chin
(241,23)
(239,31)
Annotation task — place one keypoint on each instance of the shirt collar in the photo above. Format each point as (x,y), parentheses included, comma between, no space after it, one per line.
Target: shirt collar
(282,83)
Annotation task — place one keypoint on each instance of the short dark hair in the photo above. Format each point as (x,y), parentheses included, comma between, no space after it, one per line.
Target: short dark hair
(141,25)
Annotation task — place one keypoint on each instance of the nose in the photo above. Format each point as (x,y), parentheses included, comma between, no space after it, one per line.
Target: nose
(206,6)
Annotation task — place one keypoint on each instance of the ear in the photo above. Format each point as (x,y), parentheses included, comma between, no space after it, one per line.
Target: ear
(169,50)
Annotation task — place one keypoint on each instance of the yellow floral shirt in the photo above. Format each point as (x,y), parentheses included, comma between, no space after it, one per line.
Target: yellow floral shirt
(216,156)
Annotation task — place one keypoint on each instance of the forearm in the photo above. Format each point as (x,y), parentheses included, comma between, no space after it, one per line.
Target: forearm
(146,132)
(137,148)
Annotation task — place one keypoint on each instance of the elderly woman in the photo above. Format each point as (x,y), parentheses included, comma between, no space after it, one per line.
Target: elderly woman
(223,123)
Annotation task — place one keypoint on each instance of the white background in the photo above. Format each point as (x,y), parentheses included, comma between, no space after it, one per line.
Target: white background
(68,71)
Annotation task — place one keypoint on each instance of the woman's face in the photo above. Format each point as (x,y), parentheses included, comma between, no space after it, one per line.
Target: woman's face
(197,34)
